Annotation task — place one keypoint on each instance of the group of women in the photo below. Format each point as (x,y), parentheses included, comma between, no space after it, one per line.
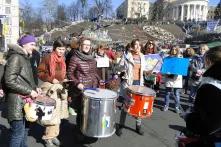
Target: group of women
(81,72)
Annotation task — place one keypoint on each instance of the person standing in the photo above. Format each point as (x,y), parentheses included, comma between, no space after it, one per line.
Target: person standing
(188,53)
(35,61)
(52,69)
(132,67)
(152,80)
(205,120)
(82,71)
(19,83)
(173,84)
(197,68)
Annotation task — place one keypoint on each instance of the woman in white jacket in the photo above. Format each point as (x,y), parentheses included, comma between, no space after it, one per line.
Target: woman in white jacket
(132,66)
(173,84)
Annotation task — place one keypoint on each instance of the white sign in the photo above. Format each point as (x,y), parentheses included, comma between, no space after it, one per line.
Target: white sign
(47,48)
(103,62)
(211,25)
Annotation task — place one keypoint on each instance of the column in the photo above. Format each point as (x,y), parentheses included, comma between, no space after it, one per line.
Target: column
(188,12)
(194,12)
(182,10)
(205,12)
(177,12)
(198,12)
(201,12)
(173,17)
(191,12)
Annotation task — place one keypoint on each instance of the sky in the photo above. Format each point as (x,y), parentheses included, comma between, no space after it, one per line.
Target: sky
(115,3)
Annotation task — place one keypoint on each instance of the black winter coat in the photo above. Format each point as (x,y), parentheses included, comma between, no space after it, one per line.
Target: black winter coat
(1,74)
(206,117)
(18,80)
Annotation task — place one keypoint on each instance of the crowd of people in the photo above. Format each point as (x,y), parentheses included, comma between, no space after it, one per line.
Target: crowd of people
(77,67)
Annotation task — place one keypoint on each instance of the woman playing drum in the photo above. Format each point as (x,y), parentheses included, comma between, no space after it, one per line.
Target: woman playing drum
(52,69)
(83,72)
(132,66)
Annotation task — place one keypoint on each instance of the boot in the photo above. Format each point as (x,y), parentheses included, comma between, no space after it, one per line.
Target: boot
(119,130)
(55,141)
(139,130)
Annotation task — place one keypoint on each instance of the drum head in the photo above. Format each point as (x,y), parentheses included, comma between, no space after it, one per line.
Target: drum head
(45,100)
(100,94)
(142,90)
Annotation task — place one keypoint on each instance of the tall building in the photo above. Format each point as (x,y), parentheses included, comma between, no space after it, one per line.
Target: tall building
(211,13)
(133,9)
(9,22)
(183,10)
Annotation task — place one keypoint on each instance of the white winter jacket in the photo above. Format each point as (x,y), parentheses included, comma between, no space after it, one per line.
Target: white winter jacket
(126,65)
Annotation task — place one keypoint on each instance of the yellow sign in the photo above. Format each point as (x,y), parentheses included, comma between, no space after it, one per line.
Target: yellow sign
(5,29)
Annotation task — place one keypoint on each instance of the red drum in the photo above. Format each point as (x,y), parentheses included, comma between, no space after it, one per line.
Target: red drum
(140,101)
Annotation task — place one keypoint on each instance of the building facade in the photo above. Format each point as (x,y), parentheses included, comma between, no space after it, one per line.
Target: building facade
(211,13)
(133,9)
(185,10)
(9,17)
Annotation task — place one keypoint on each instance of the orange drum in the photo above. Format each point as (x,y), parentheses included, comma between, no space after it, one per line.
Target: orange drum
(141,101)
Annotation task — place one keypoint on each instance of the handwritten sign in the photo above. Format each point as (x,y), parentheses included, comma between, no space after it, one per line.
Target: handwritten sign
(153,62)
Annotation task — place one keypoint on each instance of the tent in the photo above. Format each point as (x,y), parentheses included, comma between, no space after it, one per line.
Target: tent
(214,44)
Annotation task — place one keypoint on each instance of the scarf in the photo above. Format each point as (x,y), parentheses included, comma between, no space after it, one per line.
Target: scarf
(54,60)
(83,56)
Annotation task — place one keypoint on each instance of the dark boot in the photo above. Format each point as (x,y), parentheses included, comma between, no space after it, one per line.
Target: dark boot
(119,130)
(139,130)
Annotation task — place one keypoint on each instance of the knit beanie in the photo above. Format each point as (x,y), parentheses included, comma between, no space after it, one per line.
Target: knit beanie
(26,39)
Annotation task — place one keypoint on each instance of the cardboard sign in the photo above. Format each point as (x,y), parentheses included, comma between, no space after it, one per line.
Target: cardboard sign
(153,62)
(102,62)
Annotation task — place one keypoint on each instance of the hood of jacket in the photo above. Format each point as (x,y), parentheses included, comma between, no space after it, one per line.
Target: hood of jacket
(15,49)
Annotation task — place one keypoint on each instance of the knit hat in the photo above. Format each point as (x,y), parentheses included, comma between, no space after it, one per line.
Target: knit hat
(26,39)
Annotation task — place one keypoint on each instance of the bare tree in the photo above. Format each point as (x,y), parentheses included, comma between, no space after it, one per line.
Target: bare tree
(108,8)
(50,9)
(27,16)
(72,12)
(61,17)
(92,12)
(104,7)
(157,10)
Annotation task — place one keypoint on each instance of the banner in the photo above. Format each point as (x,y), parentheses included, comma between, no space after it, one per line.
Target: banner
(153,62)
(5,30)
(174,65)
(211,25)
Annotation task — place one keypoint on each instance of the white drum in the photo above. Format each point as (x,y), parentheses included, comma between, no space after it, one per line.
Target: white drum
(44,107)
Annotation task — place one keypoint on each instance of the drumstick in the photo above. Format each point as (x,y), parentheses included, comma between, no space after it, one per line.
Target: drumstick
(154,66)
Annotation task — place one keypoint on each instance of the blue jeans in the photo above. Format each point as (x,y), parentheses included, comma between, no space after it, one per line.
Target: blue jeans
(136,82)
(175,92)
(18,133)
(193,90)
